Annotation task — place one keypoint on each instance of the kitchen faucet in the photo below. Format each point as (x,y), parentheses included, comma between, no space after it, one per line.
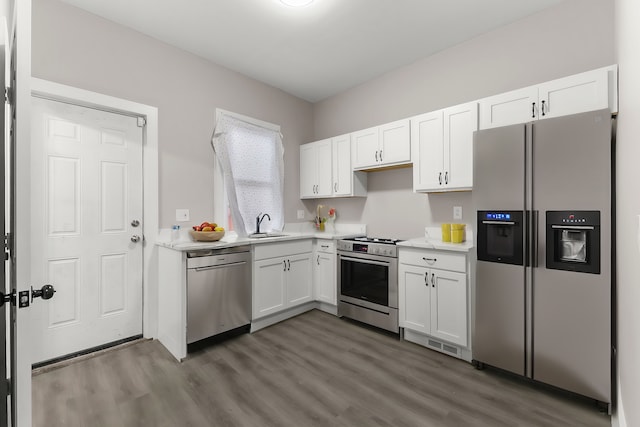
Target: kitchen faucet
(259,221)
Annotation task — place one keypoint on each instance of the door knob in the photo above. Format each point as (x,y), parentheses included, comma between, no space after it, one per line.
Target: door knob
(46,292)
(135,223)
(135,238)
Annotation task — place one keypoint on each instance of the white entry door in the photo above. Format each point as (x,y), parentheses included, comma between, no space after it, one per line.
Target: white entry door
(86,227)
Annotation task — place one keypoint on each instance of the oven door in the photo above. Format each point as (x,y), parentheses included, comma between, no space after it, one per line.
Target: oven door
(369,281)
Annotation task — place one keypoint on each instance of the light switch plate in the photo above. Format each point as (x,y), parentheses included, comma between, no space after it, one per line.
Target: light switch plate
(182,215)
(300,214)
(457,212)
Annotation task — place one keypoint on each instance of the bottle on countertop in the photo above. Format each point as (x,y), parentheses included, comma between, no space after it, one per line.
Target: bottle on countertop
(175,233)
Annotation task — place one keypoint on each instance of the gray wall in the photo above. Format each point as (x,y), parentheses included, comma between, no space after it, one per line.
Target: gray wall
(628,208)
(575,36)
(76,48)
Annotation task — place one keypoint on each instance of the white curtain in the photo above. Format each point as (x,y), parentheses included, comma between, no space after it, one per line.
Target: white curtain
(252,161)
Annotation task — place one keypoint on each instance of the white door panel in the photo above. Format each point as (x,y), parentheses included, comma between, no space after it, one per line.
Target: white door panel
(86,191)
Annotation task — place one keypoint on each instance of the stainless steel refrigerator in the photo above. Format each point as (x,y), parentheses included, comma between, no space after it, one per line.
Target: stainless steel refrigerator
(544,278)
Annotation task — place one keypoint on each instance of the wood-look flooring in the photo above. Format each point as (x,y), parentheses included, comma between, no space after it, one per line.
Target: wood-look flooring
(312,370)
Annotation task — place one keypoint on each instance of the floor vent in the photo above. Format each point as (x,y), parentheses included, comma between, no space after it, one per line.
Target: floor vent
(436,344)
(445,348)
(450,349)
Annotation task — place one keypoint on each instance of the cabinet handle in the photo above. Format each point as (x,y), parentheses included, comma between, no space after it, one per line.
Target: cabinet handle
(289,265)
(440,178)
(318,261)
(376,156)
(543,113)
(284,261)
(380,155)
(446,178)
(335,187)
(426,278)
(433,280)
(324,246)
(533,110)
(430,260)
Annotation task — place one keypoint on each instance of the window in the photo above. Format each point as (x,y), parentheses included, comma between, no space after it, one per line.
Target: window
(249,173)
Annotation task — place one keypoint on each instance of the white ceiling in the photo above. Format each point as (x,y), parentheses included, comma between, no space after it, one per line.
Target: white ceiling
(316,51)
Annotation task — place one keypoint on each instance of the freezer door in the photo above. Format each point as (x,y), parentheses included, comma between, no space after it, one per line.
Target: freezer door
(499,169)
(499,310)
(572,314)
(499,328)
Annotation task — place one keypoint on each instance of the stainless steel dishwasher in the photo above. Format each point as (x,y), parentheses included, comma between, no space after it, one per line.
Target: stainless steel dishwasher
(218,291)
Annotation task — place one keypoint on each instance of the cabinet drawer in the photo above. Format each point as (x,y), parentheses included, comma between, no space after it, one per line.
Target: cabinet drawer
(281,249)
(433,259)
(325,245)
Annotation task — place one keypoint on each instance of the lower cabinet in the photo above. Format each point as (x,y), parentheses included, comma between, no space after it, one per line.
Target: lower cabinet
(433,296)
(281,277)
(325,272)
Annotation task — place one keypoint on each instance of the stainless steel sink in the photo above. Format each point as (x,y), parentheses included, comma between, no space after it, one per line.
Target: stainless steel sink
(265,235)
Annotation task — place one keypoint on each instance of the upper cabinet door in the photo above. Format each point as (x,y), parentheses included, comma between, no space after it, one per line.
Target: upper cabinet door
(364,146)
(575,94)
(342,172)
(517,106)
(395,143)
(308,170)
(324,168)
(459,124)
(427,146)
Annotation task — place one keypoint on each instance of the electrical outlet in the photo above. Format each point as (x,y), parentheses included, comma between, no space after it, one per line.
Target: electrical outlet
(300,214)
(457,212)
(182,215)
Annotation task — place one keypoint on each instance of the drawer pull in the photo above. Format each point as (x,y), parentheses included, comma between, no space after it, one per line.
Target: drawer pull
(431,260)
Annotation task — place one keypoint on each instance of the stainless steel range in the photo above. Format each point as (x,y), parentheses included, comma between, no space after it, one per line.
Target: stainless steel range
(368,281)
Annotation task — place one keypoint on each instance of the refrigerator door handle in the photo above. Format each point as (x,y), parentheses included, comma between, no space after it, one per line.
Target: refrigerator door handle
(534,239)
(573,227)
(499,222)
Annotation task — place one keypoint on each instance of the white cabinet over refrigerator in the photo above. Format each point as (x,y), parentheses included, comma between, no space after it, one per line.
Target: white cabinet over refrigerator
(588,91)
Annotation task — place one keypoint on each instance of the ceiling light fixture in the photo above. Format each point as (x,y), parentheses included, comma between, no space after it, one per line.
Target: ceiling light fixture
(296,3)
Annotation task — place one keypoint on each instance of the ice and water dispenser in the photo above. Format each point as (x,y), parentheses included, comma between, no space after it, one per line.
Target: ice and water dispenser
(573,241)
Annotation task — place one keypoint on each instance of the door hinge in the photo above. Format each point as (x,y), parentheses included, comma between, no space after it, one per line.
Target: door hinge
(142,122)
(8,95)
(7,247)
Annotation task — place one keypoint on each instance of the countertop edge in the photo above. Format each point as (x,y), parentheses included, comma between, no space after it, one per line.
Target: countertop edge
(422,243)
(183,246)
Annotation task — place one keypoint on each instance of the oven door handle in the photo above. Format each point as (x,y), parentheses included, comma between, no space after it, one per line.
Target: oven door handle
(363,260)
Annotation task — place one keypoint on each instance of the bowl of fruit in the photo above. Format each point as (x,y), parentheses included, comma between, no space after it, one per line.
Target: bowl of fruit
(206,232)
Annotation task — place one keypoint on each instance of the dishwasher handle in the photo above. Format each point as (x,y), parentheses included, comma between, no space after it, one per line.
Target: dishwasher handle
(215,267)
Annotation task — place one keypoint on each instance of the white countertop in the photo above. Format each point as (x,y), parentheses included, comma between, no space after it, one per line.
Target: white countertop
(295,231)
(423,243)
(431,241)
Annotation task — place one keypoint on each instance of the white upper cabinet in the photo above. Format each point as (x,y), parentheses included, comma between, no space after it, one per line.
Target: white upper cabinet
(442,148)
(588,91)
(346,182)
(326,171)
(517,106)
(427,146)
(316,174)
(382,146)
(364,146)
